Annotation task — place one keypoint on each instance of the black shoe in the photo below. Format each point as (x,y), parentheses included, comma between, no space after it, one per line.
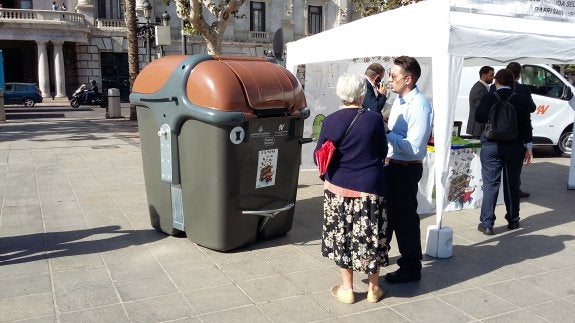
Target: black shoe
(402,276)
(513,226)
(486,231)
(523,194)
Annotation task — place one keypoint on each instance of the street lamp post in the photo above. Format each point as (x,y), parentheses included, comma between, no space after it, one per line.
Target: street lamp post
(147,29)
(147,14)
(166,23)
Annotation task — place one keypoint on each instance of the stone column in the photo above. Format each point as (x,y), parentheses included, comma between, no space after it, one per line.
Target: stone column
(59,70)
(139,4)
(86,7)
(287,23)
(344,14)
(43,69)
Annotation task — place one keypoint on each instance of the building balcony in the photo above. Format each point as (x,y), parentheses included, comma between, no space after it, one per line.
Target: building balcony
(110,23)
(249,36)
(259,36)
(32,25)
(41,16)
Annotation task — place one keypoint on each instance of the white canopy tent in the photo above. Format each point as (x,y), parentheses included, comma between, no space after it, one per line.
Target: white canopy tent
(451,37)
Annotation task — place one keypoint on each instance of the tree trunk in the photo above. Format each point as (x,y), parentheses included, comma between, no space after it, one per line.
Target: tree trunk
(133,65)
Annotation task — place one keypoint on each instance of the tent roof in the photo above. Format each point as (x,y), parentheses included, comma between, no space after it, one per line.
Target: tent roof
(417,29)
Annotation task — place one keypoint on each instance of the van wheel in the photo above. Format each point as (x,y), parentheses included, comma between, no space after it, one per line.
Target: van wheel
(565,143)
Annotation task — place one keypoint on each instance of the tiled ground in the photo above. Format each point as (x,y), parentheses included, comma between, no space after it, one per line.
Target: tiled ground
(76,246)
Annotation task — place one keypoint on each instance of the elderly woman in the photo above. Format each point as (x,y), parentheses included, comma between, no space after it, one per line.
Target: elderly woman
(354,219)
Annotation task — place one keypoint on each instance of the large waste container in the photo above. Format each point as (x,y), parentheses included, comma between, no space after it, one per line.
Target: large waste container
(221,146)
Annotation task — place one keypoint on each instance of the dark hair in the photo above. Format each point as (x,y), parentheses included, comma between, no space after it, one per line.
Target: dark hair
(485,70)
(410,65)
(374,69)
(505,77)
(515,68)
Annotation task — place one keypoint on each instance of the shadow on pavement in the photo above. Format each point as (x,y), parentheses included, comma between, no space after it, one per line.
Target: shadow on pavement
(10,111)
(69,129)
(40,246)
(505,248)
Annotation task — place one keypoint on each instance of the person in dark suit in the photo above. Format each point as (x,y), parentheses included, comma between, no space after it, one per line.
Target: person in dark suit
(479,89)
(519,88)
(376,91)
(524,90)
(505,157)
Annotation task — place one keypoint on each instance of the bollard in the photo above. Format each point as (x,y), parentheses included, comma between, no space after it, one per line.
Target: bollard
(114,110)
(2,110)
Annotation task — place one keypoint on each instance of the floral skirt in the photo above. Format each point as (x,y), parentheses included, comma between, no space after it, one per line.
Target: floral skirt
(354,232)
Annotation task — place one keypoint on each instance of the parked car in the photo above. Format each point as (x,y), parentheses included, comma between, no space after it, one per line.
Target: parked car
(26,94)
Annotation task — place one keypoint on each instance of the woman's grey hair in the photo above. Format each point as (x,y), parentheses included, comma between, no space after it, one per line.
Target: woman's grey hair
(350,88)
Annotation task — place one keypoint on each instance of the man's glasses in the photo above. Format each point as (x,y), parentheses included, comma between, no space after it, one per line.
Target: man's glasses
(394,77)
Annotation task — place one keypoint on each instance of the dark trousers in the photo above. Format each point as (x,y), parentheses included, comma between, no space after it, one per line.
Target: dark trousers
(402,213)
(500,160)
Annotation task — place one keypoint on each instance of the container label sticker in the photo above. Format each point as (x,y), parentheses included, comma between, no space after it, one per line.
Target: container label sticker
(260,132)
(237,135)
(282,130)
(267,168)
(269,141)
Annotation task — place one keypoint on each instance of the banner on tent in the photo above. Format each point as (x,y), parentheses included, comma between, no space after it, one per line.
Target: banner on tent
(562,10)
(464,186)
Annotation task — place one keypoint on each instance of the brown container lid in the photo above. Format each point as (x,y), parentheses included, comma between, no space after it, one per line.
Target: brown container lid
(155,75)
(229,83)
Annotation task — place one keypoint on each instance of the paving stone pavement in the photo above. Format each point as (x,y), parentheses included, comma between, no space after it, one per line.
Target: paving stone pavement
(76,245)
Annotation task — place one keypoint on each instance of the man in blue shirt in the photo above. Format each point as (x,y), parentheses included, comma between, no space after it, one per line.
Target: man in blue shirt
(410,123)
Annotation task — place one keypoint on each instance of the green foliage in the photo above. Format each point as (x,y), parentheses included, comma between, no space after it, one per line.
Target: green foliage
(371,7)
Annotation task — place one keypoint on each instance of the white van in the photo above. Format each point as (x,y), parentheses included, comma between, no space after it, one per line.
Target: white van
(553,95)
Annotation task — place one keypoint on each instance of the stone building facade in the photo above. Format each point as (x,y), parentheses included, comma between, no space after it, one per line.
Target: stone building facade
(60,50)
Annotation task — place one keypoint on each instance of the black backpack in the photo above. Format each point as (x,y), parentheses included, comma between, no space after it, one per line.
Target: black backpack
(502,121)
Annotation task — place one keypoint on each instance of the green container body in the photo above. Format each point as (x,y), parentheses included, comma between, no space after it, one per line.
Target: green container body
(235,177)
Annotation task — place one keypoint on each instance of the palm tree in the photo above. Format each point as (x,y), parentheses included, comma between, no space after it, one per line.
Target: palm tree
(133,65)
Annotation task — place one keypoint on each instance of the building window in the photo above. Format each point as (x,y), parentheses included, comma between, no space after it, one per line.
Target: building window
(257,16)
(111,9)
(314,19)
(25,4)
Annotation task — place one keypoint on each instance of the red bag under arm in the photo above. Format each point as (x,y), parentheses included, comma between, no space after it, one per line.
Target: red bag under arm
(324,155)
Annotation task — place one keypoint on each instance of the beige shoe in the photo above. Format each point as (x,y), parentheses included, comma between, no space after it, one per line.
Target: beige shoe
(374,297)
(344,296)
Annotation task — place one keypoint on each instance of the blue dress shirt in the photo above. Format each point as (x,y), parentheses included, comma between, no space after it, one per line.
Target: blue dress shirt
(410,124)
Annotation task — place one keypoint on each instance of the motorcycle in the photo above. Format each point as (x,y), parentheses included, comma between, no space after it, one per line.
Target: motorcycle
(79,98)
